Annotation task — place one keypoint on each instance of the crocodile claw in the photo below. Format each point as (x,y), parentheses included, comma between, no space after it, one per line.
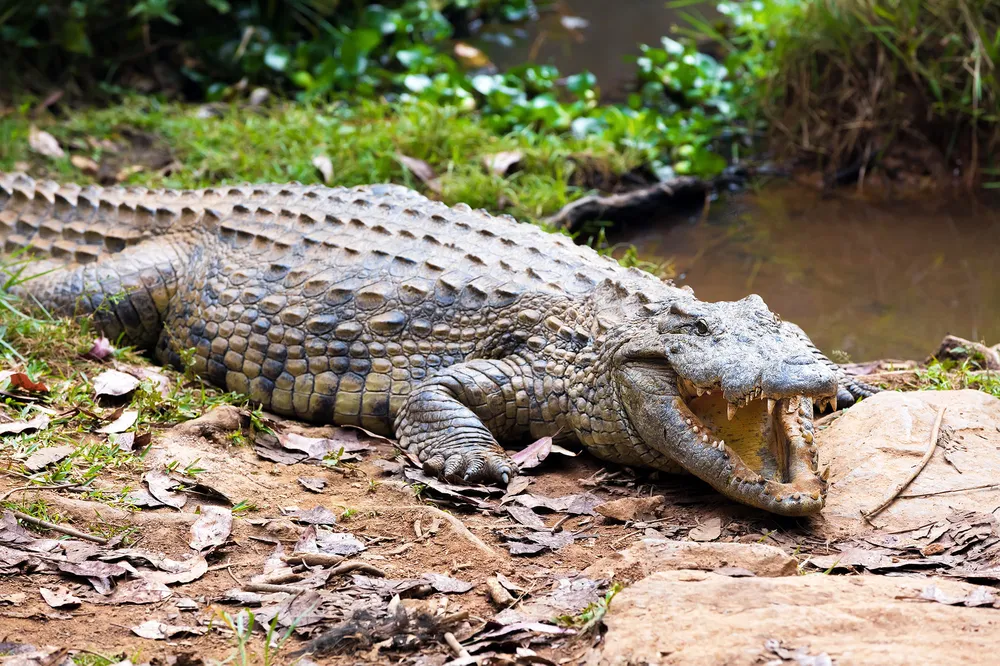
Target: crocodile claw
(471,467)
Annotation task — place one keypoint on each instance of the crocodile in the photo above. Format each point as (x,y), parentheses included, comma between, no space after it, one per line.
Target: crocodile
(451,329)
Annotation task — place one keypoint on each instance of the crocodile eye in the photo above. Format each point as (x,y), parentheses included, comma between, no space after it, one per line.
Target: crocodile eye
(701,327)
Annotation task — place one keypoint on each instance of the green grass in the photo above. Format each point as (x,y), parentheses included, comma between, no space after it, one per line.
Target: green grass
(279,144)
(952,375)
(51,351)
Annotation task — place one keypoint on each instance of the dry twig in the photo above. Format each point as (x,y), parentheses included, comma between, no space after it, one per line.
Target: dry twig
(498,593)
(455,523)
(60,528)
(20,488)
(265,587)
(357,566)
(313,559)
(455,645)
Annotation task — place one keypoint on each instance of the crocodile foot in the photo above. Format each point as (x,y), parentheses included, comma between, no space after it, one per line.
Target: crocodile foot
(849,392)
(472,466)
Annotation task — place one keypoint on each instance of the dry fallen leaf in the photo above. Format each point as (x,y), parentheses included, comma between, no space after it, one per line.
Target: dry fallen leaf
(101,349)
(60,597)
(138,591)
(318,515)
(171,572)
(502,163)
(40,422)
(158,379)
(44,143)
(160,484)
(114,383)
(122,423)
(325,541)
(447,584)
(21,380)
(710,530)
(129,441)
(42,458)
(324,166)
(313,484)
(421,170)
(578,504)
(258,96)
(212,527)
(158,631)
(526,517)
(85,164)
(533,454)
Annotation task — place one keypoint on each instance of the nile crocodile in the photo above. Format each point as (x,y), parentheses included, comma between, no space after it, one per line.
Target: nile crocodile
(447,327)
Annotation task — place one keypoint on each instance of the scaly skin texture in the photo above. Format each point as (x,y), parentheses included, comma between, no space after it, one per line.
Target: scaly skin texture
(449,328)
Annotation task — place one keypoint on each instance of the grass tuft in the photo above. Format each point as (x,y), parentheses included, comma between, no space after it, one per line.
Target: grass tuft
(844,81)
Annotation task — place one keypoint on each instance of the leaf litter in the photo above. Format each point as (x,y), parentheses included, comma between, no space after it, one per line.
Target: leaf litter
(339,603)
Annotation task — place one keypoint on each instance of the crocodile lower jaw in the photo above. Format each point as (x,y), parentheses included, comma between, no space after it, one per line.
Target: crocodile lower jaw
(770,459)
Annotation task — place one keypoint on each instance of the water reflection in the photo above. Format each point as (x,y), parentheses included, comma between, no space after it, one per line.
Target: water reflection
(613,32)
(876,280)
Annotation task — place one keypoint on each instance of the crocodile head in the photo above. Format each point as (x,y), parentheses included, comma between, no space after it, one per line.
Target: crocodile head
(727,391)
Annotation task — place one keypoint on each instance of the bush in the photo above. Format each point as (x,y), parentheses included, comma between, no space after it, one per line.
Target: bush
(199,46)
(847,81)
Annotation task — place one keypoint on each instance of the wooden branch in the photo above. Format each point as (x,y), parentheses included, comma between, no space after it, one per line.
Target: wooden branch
(620,208)
(60,528)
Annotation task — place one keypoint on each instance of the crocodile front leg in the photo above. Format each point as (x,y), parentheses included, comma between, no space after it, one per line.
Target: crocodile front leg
(452,421)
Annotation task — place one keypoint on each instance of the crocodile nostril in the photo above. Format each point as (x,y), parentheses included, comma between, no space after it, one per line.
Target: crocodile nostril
(802,359)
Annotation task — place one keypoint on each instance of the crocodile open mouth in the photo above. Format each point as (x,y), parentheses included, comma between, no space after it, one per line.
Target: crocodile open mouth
(764,444)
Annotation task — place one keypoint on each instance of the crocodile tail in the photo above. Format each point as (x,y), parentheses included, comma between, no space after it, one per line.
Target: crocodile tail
(81,251)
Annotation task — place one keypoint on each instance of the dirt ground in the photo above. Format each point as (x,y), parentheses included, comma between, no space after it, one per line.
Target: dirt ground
(358,558)
(401,537)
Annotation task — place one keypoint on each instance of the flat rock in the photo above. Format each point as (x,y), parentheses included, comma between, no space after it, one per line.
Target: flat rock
(876,444)
(699,618)
(651,555)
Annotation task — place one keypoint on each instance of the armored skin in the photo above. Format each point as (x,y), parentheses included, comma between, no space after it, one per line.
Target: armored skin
(451,329)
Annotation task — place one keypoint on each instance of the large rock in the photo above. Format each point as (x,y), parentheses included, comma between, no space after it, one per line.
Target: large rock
(876,444)
(694,618)
(651,555)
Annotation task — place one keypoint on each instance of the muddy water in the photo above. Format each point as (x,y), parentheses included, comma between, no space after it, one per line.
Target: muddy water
(606,44)
(875,280)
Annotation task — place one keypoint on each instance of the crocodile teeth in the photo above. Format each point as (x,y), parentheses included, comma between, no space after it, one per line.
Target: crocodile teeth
(731,410)
(770,405)
(699,390)
(833,402)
